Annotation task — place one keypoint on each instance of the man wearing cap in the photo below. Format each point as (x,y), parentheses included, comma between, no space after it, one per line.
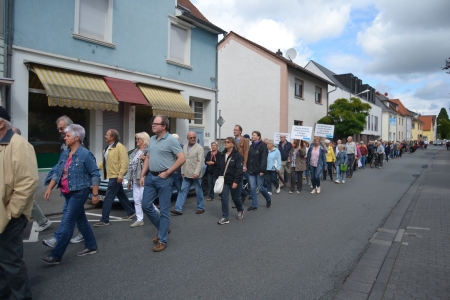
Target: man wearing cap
(19,180)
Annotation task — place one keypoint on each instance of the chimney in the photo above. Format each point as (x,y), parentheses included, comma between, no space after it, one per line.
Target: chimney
(279,53)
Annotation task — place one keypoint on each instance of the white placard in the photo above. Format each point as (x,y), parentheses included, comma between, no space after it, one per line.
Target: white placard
(324,130)
(301,133)
(276,137)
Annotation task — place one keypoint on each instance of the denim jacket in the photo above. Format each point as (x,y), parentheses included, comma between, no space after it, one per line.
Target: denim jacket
(83,171)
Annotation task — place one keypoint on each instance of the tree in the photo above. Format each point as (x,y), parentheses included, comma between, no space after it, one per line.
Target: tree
(447,65)
(442,116)
(347,116)
(444,128)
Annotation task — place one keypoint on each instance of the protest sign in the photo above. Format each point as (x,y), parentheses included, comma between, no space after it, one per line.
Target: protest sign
(301,133)
(324,130)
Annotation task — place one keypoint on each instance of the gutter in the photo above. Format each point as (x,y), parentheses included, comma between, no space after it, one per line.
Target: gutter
(217,92)
(328,95)
(9,31)
(186,14)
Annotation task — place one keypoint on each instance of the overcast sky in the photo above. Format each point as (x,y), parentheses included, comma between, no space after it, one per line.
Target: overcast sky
(397,46)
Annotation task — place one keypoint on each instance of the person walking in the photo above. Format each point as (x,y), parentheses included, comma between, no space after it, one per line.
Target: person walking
(36,212)
(317,164)
(387,151)
(244,143)
(76,172)
(274,163)
(285,147)
(364,153)
(330,159)
(350,147)
(230,166)
(167,157)
(135,165)
(114,166)
(211,161)
(297,162)
(19,180)
(191,171)
(257,166)
(380,153)
(306,173)
(341,161)
(447,144)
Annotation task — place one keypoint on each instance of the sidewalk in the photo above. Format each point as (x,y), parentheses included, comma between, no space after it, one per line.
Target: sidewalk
(409,257)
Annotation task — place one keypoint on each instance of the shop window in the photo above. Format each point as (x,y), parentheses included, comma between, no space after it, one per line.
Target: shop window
(197,107)
(93,21)
(318,95)
(42,132)
(179,42)
(298,88)
(298,123)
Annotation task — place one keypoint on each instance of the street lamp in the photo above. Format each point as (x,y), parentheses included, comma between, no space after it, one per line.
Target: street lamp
(366,91)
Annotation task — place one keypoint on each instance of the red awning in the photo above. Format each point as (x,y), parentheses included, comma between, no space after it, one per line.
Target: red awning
(125,91)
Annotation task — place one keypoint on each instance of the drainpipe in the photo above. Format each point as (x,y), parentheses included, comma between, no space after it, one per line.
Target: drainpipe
(9,31)
(328,96)
(217,92)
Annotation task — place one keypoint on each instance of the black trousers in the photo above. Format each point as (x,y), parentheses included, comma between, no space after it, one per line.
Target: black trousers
(13,272)
(329,169)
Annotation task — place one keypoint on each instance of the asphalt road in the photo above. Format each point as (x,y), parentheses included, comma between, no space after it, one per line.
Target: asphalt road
(302,247)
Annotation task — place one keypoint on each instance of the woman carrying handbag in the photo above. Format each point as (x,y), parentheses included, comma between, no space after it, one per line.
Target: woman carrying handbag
(229,170)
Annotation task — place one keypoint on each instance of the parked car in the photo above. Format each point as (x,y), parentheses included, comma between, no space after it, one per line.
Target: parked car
(438,143)
(129,192)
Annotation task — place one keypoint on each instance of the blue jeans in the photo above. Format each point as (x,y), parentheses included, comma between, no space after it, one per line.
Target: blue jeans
(363,161)
(257,181)
(340,175)
(271,177)
(211,181)
(315,176)
(115,189)
(182,195)
(156,186)
(227,189)
(75,214)
(177,179)
(57,234)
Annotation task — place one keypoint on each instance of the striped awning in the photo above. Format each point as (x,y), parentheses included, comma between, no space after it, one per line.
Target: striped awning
(167,102)
(75,89)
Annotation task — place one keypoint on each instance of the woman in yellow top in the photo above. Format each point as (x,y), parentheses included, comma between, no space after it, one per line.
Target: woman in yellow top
(331,159)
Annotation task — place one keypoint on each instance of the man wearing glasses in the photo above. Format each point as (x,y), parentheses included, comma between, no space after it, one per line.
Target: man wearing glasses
(191,172)
(164,157)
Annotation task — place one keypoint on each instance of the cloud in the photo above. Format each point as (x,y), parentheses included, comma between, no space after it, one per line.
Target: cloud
(407,44)
(434,90)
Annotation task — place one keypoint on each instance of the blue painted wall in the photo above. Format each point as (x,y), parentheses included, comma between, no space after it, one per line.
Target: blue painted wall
(140,33)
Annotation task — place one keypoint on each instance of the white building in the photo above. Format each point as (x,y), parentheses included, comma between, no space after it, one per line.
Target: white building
(348,86)
(261,90)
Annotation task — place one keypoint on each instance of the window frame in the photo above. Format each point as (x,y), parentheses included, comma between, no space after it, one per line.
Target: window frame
(192,105)
(315,95)
(298,123)
(108,26)
(301,96)
(173,21)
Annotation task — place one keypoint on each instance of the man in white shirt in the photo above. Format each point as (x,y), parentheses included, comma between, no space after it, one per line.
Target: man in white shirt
(351,152)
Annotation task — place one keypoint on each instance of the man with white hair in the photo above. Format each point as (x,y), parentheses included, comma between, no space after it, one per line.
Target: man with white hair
(19,181)
(351,152)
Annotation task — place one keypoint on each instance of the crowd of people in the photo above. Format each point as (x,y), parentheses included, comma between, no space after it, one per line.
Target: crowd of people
(248,166)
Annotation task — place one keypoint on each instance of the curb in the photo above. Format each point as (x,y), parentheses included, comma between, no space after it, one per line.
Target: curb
(369,278)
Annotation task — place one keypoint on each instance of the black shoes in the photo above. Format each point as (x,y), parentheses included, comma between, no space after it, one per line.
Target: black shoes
(268,203)
(50,260)
(252,208)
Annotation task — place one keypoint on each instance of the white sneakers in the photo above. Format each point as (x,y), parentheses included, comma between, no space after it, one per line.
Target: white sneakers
(278,190)
(318,190)
(137,224)
(313,191)
(337,181)
(343,181)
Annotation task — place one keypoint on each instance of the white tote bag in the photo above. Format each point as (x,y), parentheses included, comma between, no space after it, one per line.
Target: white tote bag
(218,186)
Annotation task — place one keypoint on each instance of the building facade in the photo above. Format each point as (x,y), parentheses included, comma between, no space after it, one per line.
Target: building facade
(429,127)
(389,118)
(112,64)
(261,90)
(349,86)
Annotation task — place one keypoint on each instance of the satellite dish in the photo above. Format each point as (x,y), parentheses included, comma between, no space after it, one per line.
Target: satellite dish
(291,54)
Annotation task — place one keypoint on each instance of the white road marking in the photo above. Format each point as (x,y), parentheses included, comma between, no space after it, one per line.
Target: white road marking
(99,215)
(34,235)
(399,235)
(418,228)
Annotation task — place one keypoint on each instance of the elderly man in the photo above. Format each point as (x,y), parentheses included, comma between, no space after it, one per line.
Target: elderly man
(191,172)
(157,179)
(19,180)
(114,166)
(351,153)
(285,147)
